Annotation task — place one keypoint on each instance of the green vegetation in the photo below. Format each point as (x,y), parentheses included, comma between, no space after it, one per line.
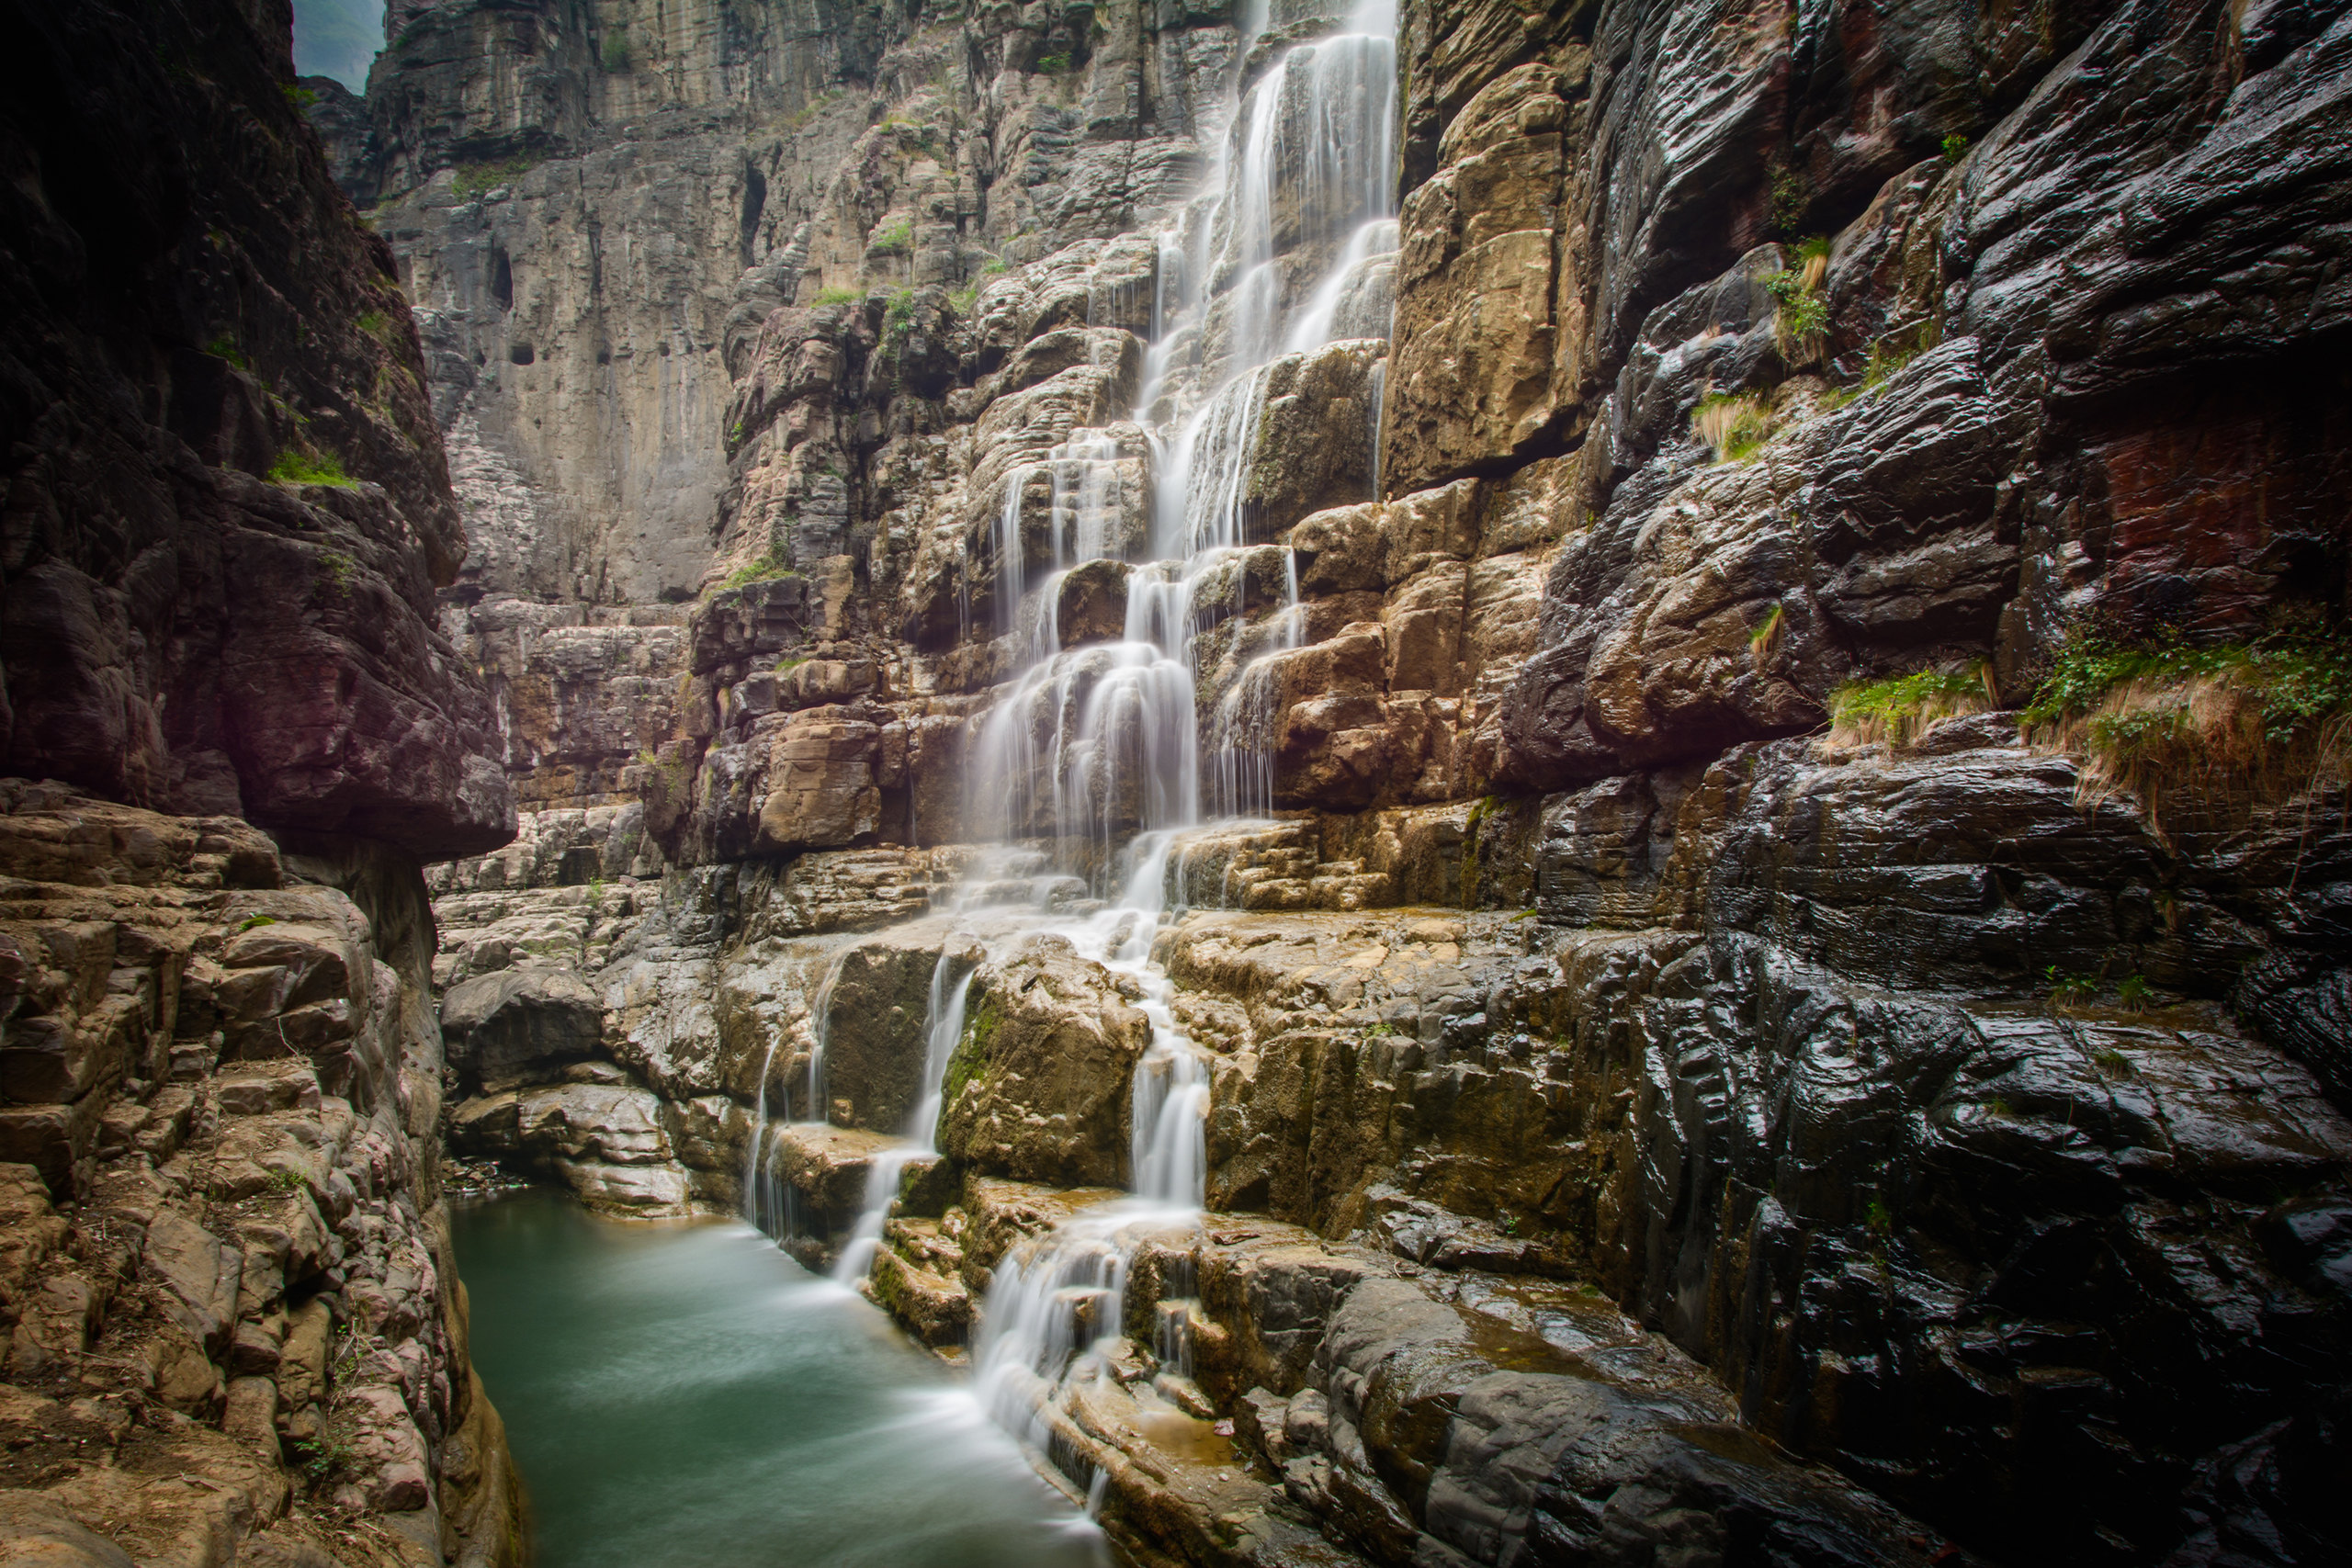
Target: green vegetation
(614,56)
(1878,1217)
(1052,65)
(892,240)
(294,467)
(790,663)
(2134,994)
(1888,357)
(253,922)
(1899,710)
(223,347)
(376,324)
(770,567)
(341,569)
(1792,194)
(971,1055)
(2112,1062)
(2070,990)
(1955,147)
(898,319)
(2228,723)
(838,297)
(800,117)
(474,179)
(299,98)
(1736,425)
(1767,635)
(287,1182)
(324,1455)
(1804,313)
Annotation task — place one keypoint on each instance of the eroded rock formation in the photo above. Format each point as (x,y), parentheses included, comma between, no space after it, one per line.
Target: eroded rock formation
(230,731)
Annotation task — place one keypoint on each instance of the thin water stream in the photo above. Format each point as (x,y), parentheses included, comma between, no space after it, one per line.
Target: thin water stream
(686,1395)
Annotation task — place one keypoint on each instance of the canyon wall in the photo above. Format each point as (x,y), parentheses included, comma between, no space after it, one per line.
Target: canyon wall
(1619,1029)
(232,731)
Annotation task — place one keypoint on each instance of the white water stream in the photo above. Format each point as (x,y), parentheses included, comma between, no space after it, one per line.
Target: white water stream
(1097,751)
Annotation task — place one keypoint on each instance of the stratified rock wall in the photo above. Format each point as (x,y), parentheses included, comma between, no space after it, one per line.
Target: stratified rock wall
(230,731)
(193,307)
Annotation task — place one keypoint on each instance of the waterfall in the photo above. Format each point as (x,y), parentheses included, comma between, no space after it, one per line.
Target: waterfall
(946,1027)
(1090,767)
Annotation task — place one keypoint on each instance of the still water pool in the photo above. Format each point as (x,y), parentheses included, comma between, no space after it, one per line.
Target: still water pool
(686,1394)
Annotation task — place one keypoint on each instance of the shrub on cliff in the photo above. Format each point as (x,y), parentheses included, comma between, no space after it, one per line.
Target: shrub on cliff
(2243,723)
(1899,710)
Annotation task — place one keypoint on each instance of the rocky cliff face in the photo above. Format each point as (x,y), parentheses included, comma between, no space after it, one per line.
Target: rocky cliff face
(236,1330)
(1788,615)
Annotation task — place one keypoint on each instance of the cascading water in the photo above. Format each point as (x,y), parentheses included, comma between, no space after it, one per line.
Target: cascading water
(1095,747)
(1114,732)
(950,986)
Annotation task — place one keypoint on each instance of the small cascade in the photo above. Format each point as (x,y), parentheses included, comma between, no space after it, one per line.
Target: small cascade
(821,1026)
(768,1203)
(948,997)
(759,1205)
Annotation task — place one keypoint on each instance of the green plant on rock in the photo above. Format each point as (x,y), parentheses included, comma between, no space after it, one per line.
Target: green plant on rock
(341,569)
(2068,990)
(1890,354)
(2112,1062)
(1767,635)
(475,179)
(772,566)
(1736,425)
(1052,65)
(223,347)
(970,1057)
(1802,322)
(2134,993)
(838,297)
(324,1456)
(2225,725)
(1899,710)
(614,55)
(295,468)
(1792,194)
(255,922)
(1878,1217)
(301,97)
(892,239)
(1955,147)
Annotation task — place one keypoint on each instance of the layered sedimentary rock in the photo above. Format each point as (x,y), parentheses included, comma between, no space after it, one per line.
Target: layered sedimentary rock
(1630,1096)
(230,730)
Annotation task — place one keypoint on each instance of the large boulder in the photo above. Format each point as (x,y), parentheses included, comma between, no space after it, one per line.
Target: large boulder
(510,1027)
(1037,1088)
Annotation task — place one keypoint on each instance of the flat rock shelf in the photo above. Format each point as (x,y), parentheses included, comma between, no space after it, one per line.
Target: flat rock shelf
(682,1393)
